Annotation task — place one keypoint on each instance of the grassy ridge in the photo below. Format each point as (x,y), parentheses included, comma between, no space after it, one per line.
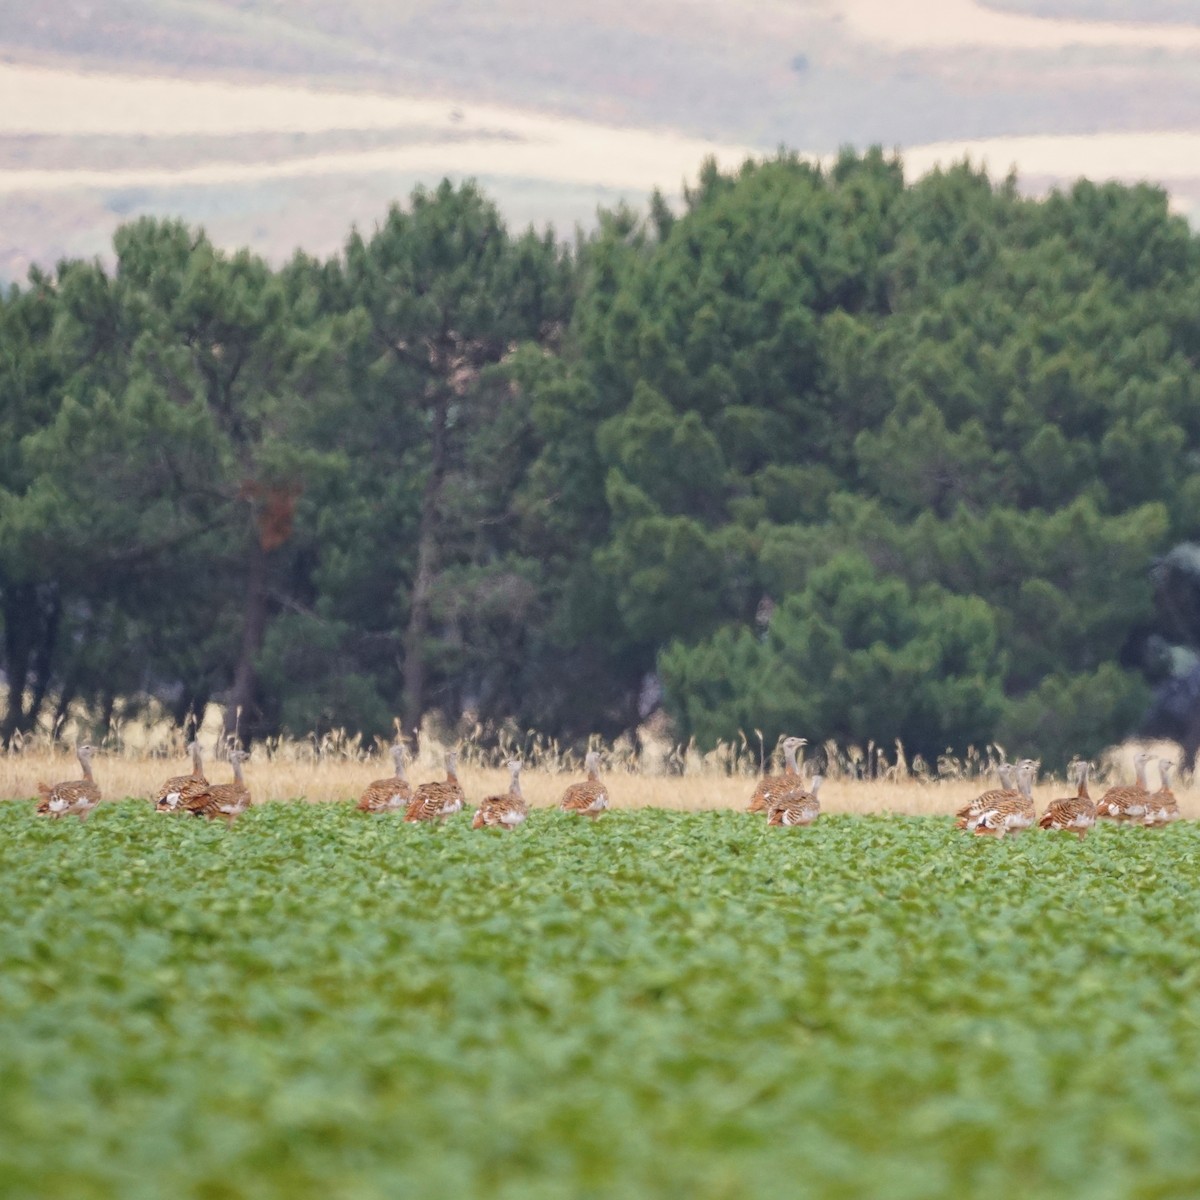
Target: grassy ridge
(321,1004)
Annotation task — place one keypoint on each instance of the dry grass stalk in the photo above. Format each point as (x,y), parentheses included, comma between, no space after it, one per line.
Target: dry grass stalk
(335,767)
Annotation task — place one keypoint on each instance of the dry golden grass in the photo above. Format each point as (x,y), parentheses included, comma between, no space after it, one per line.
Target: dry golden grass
(336,769)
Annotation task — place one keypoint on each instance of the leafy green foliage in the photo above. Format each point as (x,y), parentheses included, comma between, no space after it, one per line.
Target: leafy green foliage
(317,1003)
(855,654)
(818,441)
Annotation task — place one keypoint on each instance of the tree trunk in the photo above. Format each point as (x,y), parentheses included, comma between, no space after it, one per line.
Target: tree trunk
(241,709)
(17,650)
(417,632)
(43,657)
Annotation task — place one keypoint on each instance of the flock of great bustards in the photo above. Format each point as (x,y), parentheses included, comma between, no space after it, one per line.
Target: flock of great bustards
(787,799)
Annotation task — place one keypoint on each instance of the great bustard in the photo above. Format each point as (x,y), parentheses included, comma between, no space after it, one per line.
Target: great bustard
(1077,813)
(968,816)
(775,787)
(78,796)
(1011,815)
(388,795)
(179,788)
(798,807)
(438,799)
(1161,807)
(1128,802)
(589,798)
(506,811)
(223,801)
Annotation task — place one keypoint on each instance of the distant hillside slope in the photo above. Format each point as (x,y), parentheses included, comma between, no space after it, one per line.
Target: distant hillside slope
(812,76)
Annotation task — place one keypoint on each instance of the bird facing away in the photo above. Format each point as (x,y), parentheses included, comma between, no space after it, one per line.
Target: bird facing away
(774,787)
(968,816)
(1127,803)
(1011,815)
(1074,813)
(797,807)
(172,793)
(439,799)
(589,798)
(223,801)
(388,795)
(78,796)
(507,811)
(1161,807)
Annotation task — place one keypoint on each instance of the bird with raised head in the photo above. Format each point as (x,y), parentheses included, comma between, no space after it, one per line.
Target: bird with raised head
(588,798)
(968,816)
(776,787)
(1162,807)
(388,795)
(440,798)
(1077,813)
(1127,802)
(77,796)
(1011,815)
(506,811)
(171,795)
(223,801)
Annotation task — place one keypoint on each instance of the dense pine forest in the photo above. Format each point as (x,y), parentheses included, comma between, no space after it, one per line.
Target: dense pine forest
(818,451)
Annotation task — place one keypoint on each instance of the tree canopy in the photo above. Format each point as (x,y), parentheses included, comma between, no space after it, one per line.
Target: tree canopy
(817,451)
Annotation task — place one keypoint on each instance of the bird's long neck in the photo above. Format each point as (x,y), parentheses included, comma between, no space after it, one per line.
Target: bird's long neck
(514,786)
(197,763)
(1140,771)
(789,760)
(237,772)
(85,761)
(1082,791)
(398,759)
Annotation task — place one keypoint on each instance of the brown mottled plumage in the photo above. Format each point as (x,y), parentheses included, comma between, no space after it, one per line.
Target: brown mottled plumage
(589,798)
(172,794)
(1077,813)
(1127,803)
(438,799)
(388,795)
(507,811)
(78,796)
(798,807)
(968,816)
(1010,815)
(223,801)
(1161,807)
(775,787)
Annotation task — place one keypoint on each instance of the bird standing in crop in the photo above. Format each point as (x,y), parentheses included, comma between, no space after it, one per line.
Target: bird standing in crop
(1074,813)
(1011,815)
(438,799)
(798,807)
(506,811)
(78,796)
(589,798)
(1127,802)
(776,787)
(179,788)
(968,816)
(223,801)
(388,795)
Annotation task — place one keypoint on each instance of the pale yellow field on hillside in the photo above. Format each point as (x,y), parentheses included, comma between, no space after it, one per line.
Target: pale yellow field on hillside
(310,772)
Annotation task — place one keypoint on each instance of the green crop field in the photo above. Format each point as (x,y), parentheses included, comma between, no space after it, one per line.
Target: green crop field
(320,1004)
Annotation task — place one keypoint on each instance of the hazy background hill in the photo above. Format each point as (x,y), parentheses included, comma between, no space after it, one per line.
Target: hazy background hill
(812,76)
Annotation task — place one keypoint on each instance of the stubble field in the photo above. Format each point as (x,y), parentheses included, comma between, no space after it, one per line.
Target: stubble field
(318,1003)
